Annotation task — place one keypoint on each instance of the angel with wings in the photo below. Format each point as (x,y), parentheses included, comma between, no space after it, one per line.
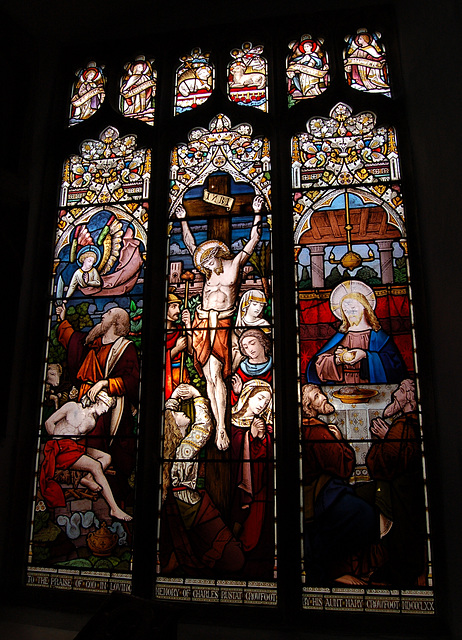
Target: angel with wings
(114,247)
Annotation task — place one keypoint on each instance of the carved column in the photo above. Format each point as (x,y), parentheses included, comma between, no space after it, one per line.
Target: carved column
(386,260)
(317,264)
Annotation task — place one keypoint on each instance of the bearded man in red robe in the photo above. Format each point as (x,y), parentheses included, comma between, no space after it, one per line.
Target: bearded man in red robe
(104,359)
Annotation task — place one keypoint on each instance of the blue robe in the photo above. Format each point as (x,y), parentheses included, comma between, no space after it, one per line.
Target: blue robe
(384,363)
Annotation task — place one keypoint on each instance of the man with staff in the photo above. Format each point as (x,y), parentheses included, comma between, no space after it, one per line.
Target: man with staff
(179,341)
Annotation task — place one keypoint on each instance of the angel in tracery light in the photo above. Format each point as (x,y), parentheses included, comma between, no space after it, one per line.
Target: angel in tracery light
(88,94)
(138,89)
(365,64)
(113,247)
(307,69)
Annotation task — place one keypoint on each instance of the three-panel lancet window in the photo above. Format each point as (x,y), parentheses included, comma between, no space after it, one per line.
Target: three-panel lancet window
(215,467)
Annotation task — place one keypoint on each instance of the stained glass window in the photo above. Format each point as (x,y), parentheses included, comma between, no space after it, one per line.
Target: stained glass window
(81,536)
(213,427)
(88,93)
(365,63)
(138,90)
(195,80)
(307,69)
(217,530)
(248,77)
(365,526)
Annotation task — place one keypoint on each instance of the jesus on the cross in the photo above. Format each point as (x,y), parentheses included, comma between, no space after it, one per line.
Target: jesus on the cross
(212,323)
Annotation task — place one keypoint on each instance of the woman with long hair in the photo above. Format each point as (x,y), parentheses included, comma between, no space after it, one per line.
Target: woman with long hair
(252,452)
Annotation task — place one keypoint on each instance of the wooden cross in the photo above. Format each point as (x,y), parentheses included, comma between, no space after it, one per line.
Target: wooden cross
(218,217)
(218,228)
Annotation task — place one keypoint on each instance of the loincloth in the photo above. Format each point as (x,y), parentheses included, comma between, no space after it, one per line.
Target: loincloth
(211,336)
(58,454)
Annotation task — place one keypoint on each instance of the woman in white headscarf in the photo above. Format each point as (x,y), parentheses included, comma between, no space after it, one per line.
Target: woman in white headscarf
(252,449)
(250,311)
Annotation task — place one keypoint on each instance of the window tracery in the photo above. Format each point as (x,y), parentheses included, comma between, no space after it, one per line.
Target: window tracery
(248,77)
(138,90)
(88,93)
(307,69)
(365,63)
(195,81)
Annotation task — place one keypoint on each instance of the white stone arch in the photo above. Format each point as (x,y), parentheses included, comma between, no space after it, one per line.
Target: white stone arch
(394,216)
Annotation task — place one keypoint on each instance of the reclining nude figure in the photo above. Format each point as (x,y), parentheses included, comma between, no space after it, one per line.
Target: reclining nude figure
(68,426)
(212,323)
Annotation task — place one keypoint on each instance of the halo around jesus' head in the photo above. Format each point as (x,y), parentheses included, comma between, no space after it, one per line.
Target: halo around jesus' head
(206,250)
(346,288)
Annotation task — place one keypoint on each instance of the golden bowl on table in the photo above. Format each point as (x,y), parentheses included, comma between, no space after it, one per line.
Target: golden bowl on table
(354,395)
